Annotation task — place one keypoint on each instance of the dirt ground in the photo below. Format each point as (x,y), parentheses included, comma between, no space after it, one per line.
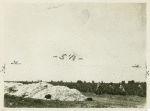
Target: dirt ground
(118,101)
(99,101)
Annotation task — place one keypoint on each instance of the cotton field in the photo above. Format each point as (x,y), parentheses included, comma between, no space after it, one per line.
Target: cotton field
(40,90)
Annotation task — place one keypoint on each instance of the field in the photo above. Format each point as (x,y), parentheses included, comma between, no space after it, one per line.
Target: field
(99,101)
(105,100)
(131,89)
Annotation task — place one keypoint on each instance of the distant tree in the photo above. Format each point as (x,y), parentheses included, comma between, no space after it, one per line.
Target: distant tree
(79,81)
(132,82)
(101,81)
(129,82)
(61,81)
(111,83)
(123,82)
(84,81)
(93,82)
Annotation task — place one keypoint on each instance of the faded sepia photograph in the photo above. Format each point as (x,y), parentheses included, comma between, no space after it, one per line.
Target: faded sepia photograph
(74,55)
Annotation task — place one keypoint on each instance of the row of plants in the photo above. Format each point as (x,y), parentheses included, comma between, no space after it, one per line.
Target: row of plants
(130,88)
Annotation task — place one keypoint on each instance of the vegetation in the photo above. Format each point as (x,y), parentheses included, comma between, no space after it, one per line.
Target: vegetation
(103,100)
(131,87)
(18,102)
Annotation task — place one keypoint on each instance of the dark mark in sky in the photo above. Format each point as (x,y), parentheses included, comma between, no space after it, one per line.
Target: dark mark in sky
(3,68)
(73,57)
(15,62)
(55,56)
(147,72)
(137,66)
(63,56)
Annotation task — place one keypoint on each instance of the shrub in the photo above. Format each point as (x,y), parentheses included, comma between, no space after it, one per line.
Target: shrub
(79,81)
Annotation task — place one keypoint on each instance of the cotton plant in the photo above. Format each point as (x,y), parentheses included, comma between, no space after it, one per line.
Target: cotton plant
(41,89)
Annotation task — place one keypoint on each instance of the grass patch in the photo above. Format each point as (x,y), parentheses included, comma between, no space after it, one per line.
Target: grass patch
(99,101)
(18,102)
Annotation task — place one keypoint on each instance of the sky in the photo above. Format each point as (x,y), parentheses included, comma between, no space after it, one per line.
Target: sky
(111,38)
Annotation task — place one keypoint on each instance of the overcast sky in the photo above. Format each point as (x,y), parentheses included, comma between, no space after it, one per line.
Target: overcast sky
(110,38)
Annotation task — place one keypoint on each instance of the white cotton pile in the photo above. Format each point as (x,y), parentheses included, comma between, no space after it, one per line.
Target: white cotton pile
(39,90)
(14,86)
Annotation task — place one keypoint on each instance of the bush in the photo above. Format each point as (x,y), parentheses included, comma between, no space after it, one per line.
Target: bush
(79,81)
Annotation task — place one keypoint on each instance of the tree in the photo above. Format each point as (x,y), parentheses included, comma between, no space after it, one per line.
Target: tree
(79,81)
(111,83)
(93,82)
(61,81)
(132,82)
(123,82)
